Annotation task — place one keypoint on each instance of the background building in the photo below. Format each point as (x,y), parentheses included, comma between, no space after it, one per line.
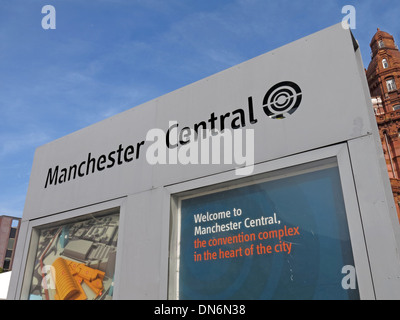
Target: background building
(9,228)
(383,75)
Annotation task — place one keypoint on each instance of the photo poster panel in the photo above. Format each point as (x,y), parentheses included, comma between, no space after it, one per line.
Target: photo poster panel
(76,261)
(286,238)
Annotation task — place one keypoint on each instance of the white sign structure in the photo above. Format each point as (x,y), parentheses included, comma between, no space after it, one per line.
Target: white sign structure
(4,283)
(304,103)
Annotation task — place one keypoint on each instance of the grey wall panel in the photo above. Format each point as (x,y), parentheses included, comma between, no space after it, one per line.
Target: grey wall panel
(143,257)
(332,110)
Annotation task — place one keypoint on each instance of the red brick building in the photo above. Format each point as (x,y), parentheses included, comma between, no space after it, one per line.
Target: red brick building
(9,227)
(383,75)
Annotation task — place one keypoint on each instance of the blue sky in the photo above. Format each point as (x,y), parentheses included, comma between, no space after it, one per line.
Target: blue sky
(107,56)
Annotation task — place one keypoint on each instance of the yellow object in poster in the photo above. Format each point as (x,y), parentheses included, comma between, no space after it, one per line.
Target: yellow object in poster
(66,286)
(69,276)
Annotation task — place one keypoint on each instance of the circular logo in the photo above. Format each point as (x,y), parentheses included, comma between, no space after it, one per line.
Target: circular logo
(282,100)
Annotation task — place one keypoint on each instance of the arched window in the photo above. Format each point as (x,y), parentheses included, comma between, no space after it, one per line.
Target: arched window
(385,64)
(381,44)
(396,107)
(391,84)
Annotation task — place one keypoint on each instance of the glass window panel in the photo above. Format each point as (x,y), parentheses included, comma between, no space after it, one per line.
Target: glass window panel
(391,84)
(385,64)
(8,253)
(76,260)
(13,232)
(6,264)
(15,223)
(10,244)
(283,238)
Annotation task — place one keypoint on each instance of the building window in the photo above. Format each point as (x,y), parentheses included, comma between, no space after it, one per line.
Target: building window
(207,272)
(13,233)
(385,64)
(6,265)
(15,223)
(87,246)
(381,44)
(391,85)
(396,107)
(11,244)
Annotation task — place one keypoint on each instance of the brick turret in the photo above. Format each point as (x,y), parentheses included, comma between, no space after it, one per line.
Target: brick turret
(383,76)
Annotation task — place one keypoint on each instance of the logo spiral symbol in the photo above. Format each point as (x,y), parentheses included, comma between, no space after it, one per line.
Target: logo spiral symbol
(282,100)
